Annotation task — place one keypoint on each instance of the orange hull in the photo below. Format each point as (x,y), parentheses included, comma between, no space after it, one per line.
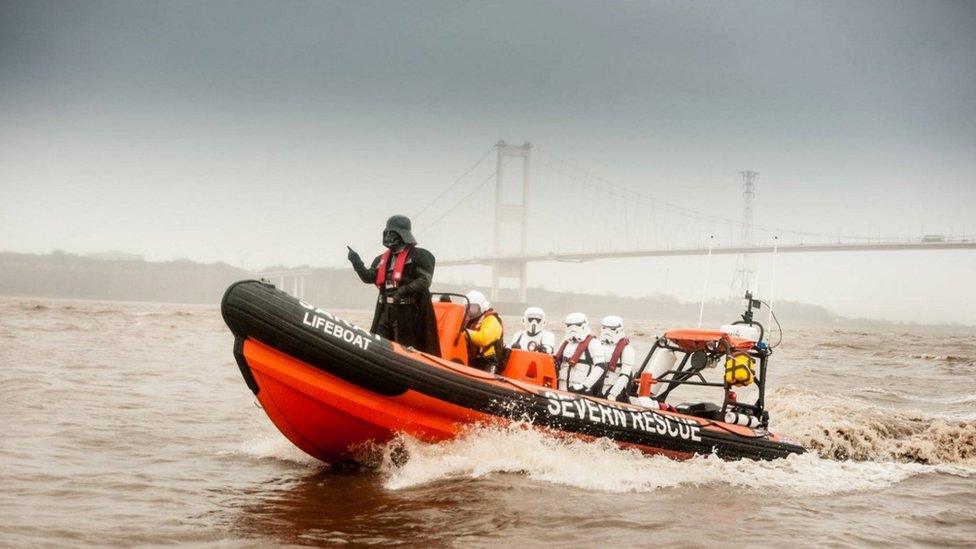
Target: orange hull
(326,416)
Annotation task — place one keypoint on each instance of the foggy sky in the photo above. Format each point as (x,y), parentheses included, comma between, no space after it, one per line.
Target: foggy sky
(275,133)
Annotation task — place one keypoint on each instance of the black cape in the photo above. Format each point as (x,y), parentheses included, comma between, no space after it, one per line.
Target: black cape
(411,321)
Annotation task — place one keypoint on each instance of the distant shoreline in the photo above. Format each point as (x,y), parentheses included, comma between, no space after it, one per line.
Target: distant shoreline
(67,276)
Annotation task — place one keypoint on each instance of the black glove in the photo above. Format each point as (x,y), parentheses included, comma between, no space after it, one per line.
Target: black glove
(353,257)
(578,388)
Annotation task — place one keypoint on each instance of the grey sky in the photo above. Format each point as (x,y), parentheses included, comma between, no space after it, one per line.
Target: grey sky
(261,133)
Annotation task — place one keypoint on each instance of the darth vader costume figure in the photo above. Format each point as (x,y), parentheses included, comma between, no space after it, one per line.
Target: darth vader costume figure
(403,273)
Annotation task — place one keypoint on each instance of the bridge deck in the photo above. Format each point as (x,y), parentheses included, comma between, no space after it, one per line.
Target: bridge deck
(732,250)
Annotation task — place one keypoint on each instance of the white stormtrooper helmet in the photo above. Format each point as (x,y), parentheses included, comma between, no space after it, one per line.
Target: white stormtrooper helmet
(577,327)
(611,329)
(477,304)
(533,320)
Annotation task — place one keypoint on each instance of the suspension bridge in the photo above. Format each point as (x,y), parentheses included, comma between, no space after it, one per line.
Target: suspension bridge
(588,218)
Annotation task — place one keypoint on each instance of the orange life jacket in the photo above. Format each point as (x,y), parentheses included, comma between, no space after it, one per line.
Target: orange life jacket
(498,345)
(475,323)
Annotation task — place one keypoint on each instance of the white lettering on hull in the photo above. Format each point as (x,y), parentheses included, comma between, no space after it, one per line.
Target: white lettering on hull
(335,327)
(576,407)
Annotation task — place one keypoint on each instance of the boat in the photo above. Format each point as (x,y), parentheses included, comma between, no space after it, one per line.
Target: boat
(333,388)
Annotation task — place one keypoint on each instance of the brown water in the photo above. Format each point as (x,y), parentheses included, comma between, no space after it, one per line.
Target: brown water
(129,424)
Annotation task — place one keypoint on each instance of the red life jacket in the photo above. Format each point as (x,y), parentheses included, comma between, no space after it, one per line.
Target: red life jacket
(617,351)
(401,260)
(581,348)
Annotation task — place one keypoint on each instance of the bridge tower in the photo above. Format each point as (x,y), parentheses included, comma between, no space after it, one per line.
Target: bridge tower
(745,265)
(510,214)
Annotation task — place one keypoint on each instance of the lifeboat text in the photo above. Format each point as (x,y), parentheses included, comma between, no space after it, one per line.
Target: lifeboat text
(335,327)
(574,407)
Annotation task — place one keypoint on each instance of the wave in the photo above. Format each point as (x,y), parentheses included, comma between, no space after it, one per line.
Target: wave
(843,345)
(275,446)
(943,358)
(62,327)
(161,314)
(836,427)
(958,399)
(603,466)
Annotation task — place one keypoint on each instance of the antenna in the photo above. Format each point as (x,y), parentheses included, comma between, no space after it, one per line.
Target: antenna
(772,282)
(708,267)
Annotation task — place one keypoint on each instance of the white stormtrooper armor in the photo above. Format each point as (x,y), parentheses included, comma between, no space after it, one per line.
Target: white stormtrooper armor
(534,336)
(618,375)
(585,374)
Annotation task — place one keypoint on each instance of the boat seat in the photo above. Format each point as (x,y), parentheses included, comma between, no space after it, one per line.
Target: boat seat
(450,318)
(531,367)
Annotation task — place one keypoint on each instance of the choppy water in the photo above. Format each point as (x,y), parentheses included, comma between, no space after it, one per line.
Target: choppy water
(128,424)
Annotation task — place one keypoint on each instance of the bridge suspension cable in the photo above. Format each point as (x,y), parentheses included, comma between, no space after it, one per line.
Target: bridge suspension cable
(450,188)
(464,198)
(584,177)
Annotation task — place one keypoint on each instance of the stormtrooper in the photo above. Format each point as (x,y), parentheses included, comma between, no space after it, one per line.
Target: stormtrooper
(534,336)
(620,361)
(580,358)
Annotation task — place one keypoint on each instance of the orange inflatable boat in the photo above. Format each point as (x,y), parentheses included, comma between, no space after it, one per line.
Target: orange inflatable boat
(330,387)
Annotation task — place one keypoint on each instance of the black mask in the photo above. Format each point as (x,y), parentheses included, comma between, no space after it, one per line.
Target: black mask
(392,240)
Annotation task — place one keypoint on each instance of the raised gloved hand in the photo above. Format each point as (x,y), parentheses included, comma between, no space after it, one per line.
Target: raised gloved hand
(353,257)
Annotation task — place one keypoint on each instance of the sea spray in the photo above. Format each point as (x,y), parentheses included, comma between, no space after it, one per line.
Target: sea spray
(603,466)
(273,445)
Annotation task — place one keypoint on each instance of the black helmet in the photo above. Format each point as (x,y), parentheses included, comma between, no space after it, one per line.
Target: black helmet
(400,224)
